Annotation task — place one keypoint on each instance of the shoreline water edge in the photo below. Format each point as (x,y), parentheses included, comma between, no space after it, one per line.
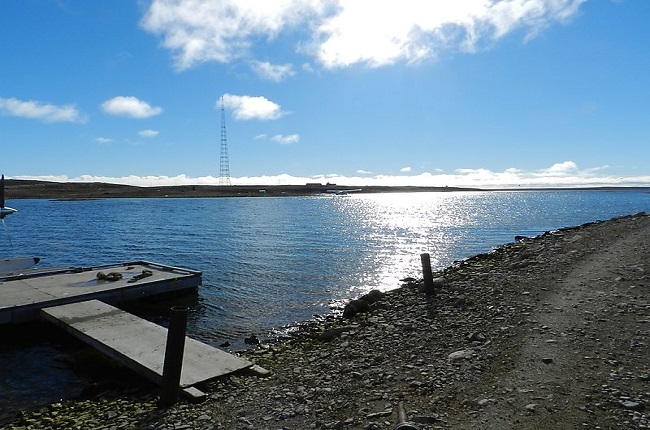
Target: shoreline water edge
(545,332)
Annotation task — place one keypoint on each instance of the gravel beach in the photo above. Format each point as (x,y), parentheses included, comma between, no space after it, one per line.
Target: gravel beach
(545,332)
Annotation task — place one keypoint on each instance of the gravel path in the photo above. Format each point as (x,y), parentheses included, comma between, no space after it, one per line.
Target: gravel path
(547,332)
(582,358)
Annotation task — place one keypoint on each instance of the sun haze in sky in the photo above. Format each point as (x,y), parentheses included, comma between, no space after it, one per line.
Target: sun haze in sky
(480,93)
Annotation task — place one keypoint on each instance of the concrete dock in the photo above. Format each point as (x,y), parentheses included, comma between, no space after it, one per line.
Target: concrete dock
(82,301)
(22,296)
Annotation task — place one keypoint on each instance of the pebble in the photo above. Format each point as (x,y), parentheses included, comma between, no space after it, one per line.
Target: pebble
(627,404)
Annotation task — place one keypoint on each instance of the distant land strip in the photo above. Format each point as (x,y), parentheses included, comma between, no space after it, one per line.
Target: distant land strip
(30,189)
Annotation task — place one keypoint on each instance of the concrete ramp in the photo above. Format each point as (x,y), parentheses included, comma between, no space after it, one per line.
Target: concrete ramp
(139,344)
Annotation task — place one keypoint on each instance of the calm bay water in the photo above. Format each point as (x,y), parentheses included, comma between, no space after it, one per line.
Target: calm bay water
(271,262)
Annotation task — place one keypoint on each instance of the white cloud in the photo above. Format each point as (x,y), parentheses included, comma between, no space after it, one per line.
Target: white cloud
(130,107)
(103,140)
(200,31)
(249,107)
(286,140)
(412,30)
(472,178)
(45,112)
(273,72)
(345,32)
(405,169)
(148,133)
(563,168)
(363,172)
(280,138)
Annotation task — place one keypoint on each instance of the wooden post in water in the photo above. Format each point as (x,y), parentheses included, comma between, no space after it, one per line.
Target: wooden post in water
(173,364)
(427,274)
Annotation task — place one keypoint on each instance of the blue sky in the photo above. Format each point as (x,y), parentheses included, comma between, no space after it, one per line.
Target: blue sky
(461,93)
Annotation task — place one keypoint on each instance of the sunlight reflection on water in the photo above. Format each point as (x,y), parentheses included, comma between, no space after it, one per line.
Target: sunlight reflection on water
(400,227)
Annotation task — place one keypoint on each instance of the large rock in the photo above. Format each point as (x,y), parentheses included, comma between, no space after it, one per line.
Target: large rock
(362,304)
(354,307)
(372,297)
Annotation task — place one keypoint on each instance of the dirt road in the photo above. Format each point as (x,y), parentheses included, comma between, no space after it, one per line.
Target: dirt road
(582,357)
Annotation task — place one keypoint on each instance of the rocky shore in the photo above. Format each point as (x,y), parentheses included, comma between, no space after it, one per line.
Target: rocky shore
(545,332)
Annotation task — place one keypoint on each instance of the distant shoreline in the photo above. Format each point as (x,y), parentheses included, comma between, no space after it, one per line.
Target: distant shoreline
(28,189)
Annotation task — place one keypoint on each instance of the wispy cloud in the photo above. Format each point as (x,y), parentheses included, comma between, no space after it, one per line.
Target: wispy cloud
(273,72)
(286,140)
(148,133)
(103,140)
(406,169)
(474,178)
(251,107)
(42,111)
(341,33)
(131,107)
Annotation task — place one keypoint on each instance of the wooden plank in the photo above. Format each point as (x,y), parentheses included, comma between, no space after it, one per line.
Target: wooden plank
(140,344)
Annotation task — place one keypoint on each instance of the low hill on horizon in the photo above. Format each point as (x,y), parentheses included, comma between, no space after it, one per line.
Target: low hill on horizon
(33,189)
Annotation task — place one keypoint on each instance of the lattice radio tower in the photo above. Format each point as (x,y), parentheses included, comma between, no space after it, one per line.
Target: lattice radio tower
(224,165)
